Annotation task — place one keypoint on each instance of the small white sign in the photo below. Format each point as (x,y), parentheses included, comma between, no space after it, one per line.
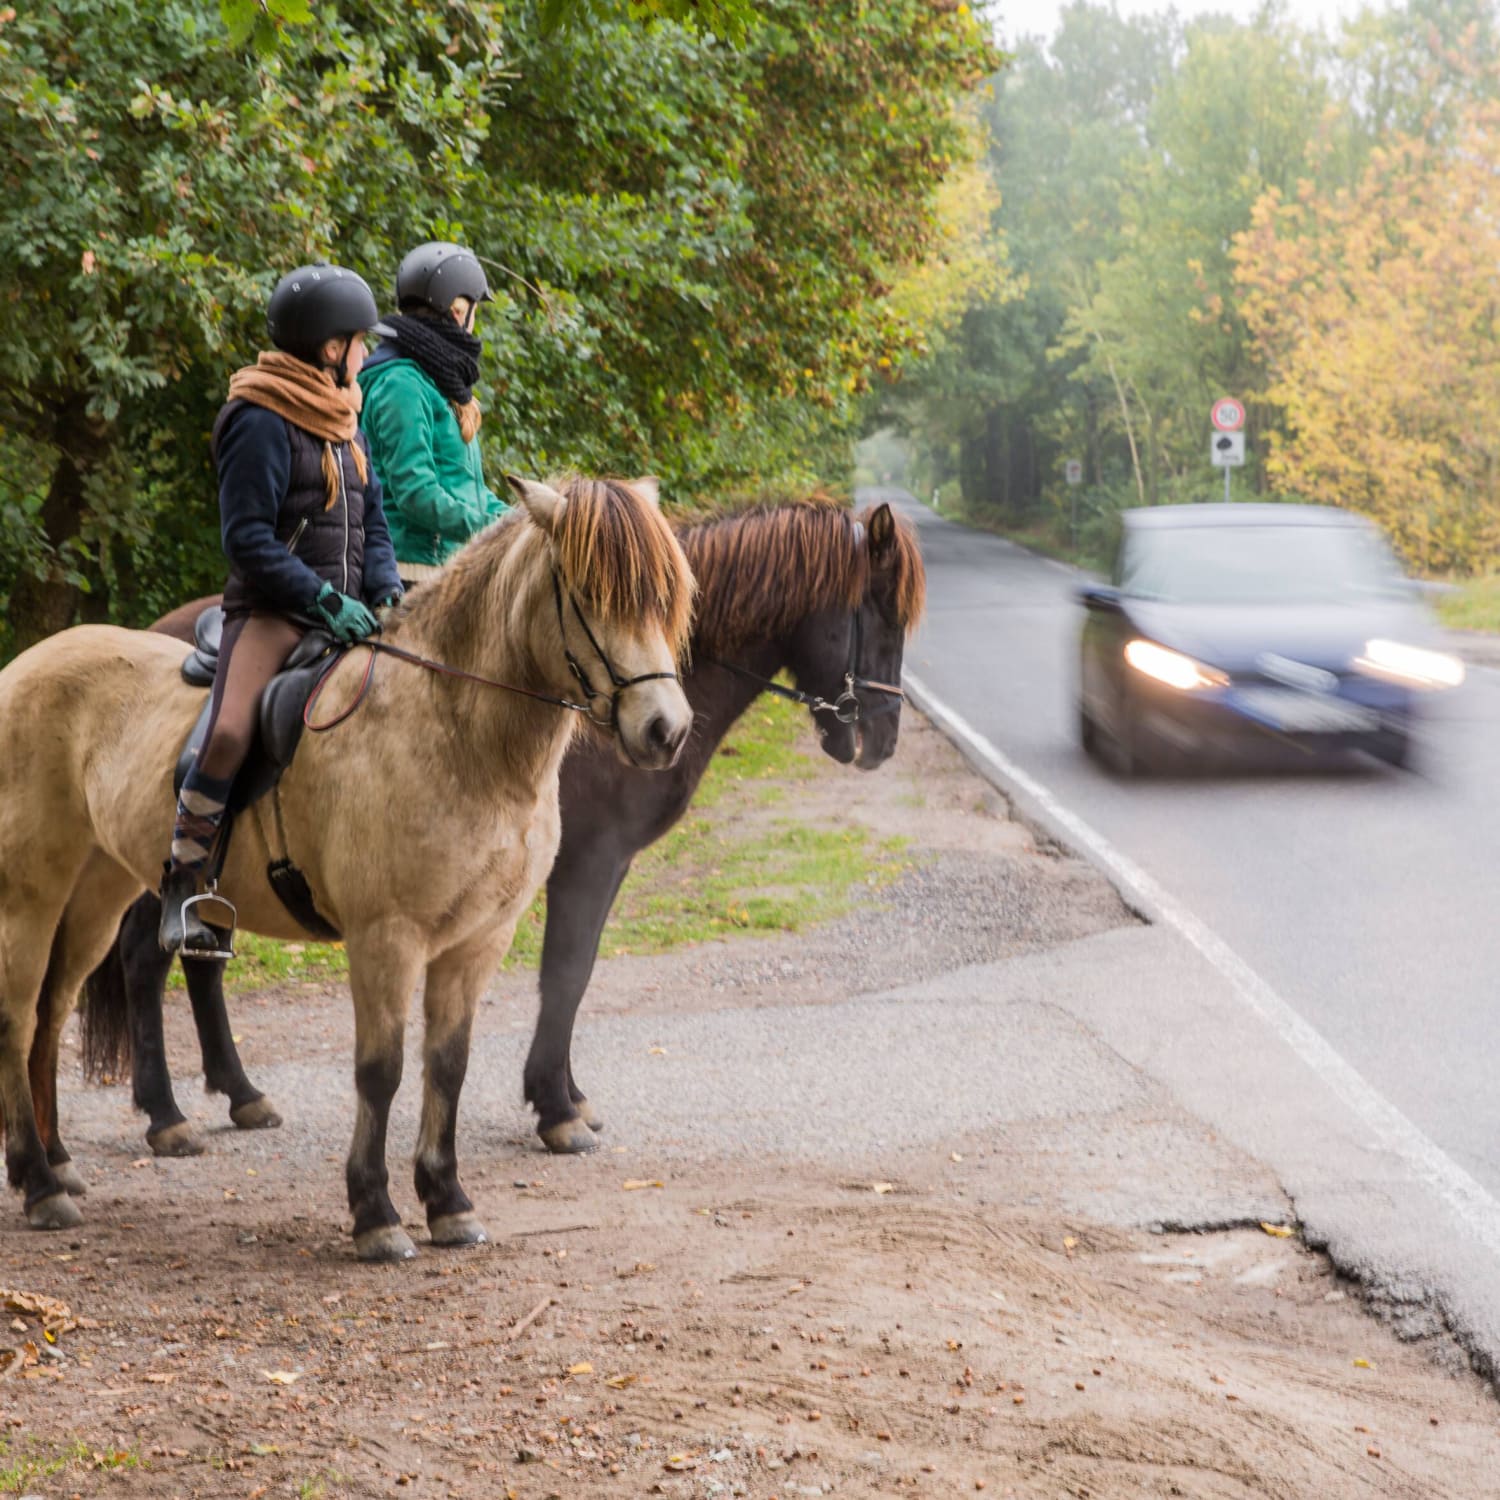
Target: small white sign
(1228,415)
(1073,468)
(1226,450)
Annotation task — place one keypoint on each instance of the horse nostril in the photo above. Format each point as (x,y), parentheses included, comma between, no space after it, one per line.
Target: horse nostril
(663,735)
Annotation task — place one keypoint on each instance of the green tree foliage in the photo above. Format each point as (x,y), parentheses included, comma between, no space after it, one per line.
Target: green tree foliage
(156,178)
(1132,158)
(691,240)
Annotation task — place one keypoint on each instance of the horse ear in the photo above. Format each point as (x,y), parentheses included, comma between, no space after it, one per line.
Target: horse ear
(882,528)
(648,487)
(544,503)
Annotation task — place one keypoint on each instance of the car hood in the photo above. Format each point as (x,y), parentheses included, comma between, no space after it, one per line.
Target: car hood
(1233,636)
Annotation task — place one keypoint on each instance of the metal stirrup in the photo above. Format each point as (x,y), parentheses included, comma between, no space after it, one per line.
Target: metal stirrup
(210,894)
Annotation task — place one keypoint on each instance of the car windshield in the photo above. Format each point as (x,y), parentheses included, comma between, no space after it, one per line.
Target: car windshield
(1258,565)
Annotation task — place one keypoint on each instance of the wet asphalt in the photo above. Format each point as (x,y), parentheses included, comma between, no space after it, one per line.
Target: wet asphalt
(1366,898)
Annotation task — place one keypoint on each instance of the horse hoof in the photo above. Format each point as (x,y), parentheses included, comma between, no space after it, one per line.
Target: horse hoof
(67,1174)
(175,1140)
(569,1138)
(57,1212)
(388,1243)
(589,1115)
(458,1229)
(258,1114)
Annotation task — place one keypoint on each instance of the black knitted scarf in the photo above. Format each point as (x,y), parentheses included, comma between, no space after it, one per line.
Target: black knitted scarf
(449,356)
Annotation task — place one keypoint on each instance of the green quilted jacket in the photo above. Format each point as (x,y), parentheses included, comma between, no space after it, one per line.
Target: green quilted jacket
(435,494)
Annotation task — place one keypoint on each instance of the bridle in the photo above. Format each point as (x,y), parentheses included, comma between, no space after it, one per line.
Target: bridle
(618,684)
(592,694)
(846,708)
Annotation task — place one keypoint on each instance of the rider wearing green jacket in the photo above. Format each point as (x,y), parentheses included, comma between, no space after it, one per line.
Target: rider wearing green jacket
(420,415)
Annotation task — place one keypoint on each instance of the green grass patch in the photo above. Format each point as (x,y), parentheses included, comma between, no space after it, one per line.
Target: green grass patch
(1473,605)
(723,870)
(23,1465)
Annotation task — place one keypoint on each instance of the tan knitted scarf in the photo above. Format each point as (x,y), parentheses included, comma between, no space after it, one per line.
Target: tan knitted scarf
(306,396)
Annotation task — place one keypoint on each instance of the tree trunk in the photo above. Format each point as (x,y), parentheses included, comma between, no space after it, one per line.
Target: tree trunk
(41,606)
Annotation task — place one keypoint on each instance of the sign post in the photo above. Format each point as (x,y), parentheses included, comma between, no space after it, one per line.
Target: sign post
(1227,448)
(1073,473)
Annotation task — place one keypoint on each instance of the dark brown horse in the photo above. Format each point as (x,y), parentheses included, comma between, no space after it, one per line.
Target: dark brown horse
(806,589)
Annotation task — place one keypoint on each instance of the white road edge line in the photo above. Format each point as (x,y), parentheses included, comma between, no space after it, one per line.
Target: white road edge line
(1468,1199)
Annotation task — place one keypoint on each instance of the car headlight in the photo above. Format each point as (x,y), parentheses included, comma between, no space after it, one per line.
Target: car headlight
(1172,667)
(1411,664)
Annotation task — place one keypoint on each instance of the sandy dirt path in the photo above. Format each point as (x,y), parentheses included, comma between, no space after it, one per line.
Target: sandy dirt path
(726,1300)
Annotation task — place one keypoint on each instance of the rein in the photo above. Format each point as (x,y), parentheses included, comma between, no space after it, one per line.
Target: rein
(443,669)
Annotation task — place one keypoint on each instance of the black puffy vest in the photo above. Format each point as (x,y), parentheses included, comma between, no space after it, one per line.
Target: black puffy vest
(332,543)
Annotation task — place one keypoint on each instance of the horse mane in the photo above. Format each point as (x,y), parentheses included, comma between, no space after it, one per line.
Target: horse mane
(762,570)
(614,551)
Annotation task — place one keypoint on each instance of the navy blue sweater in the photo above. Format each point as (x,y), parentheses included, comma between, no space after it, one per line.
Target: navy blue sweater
(254,457)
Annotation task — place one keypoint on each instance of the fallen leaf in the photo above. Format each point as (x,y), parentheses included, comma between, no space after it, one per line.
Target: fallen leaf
(657,1052)
(583,1367)
(954,1156)
(883,1187)
(282,1377)
(1070,1242)
(1281,1231)
(633,1183)
(619,1382)
(1363,1364)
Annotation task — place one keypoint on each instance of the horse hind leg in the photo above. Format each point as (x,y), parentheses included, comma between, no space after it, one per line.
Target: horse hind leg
(454,984)
(83,937)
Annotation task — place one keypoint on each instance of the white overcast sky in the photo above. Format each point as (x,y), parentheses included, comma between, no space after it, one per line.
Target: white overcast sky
(1018,18)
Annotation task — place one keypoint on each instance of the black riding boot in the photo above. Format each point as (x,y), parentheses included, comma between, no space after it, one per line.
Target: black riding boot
(182,928)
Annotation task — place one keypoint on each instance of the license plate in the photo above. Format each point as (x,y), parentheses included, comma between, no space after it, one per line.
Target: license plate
(1304,713)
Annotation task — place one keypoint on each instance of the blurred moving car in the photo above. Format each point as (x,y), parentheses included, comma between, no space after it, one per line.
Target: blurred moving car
(1229,626)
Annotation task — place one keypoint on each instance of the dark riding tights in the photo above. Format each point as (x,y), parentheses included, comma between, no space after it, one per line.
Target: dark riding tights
(251,652)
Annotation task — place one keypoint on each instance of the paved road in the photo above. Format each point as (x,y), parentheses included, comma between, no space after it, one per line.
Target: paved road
(1368,899)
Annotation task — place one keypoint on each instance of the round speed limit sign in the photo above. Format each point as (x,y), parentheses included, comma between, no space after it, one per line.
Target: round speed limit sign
(1228,415)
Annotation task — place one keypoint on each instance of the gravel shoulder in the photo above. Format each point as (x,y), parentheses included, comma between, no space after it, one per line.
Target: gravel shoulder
(854,1229)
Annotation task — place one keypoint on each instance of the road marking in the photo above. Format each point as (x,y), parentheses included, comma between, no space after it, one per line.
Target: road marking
(1468,1199)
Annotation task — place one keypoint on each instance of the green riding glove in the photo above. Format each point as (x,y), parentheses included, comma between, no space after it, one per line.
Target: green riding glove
(347,619)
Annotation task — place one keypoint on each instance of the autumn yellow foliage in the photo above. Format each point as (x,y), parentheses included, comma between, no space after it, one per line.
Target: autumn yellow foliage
(1374,312)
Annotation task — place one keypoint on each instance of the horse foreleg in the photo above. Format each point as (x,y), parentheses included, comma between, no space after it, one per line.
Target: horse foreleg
(223,1072)
(383,972)
(580,892)
(454,984)
(139,985)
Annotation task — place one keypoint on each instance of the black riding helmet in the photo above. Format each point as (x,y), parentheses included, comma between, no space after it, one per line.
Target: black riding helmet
(436,273)
(316,303)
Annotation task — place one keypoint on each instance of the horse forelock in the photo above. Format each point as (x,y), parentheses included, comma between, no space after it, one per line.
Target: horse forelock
(761,571)
(619,556)
(908,572)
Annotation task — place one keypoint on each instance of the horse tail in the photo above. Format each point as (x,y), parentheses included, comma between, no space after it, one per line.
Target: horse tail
(104,1016)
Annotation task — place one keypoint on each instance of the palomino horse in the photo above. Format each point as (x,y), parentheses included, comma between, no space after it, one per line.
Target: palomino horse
(801,588)
(424,824)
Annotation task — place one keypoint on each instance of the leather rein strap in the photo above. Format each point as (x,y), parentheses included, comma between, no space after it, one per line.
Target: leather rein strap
(378,648)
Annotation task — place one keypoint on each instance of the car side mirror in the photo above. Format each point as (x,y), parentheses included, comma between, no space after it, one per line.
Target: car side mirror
(1099,596)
